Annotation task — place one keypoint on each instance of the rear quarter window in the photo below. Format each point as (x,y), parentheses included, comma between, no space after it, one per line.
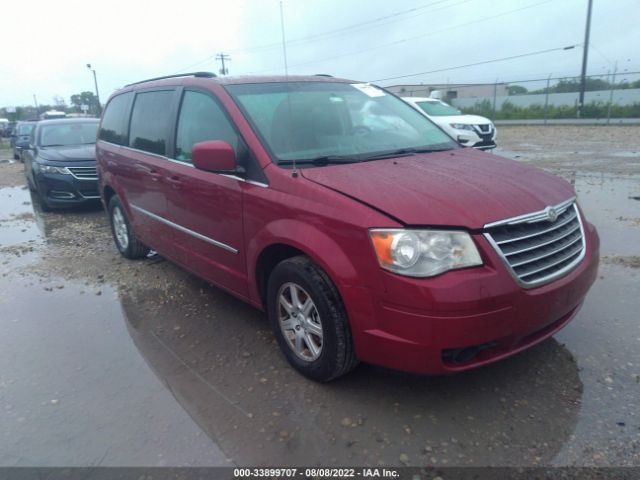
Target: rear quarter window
(114,121)
(150,121)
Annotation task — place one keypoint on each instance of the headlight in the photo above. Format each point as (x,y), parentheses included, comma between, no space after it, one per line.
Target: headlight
(423,253)
(461,126)
(50,169)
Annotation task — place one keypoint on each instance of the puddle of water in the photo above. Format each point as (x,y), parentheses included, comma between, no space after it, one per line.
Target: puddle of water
(220,360)
(116,363)
(74,390)
(605,340)
(17,219)
(22,221)
(606,203)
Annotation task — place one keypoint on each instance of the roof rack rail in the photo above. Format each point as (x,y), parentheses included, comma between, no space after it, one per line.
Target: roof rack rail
(322,75)
(192,74)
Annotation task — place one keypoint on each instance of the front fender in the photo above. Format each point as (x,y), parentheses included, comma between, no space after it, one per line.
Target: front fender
(307,238)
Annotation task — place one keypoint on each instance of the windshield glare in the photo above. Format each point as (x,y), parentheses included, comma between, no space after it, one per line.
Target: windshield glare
(68,134)
(307,120)
(438,109)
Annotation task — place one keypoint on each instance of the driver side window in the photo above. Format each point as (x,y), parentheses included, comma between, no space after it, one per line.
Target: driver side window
(201,119)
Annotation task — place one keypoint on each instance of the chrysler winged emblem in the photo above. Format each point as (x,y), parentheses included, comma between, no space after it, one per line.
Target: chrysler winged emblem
(552,214)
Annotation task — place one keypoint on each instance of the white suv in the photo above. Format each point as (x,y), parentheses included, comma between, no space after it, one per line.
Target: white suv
(468,130)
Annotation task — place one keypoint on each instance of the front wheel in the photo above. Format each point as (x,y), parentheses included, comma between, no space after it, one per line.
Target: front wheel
(44,204)
(309,320)
(126,241)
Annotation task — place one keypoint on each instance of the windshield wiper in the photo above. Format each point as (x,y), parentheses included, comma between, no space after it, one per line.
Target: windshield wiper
(401,152)
(322,160)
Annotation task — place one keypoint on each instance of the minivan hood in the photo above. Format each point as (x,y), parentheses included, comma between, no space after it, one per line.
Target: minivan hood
(462,187)
(73,153)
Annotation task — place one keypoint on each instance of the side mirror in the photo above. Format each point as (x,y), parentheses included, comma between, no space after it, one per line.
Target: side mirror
(214,156)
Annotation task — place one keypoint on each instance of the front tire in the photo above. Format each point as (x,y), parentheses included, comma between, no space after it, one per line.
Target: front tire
(127,243)
(44,205)
(309,320)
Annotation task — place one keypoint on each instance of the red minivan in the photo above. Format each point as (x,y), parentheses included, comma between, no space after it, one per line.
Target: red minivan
(364,230)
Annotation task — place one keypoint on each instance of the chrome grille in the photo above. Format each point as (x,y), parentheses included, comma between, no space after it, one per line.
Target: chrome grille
(538,248)
(485,128)
(84,173)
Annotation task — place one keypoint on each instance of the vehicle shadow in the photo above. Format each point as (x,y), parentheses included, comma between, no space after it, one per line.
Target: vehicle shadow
(219,359)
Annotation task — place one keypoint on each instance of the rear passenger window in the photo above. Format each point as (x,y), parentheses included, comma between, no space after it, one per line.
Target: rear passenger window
(114,121)
(201,119)
(150,121)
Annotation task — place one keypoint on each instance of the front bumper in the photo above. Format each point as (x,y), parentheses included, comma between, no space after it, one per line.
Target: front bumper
(60,190)
(463,319)
(476,138)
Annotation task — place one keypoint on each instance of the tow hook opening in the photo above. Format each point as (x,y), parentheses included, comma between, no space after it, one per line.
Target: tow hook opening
(458,356)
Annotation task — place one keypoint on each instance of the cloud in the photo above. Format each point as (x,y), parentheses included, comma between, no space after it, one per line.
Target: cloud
(131,40)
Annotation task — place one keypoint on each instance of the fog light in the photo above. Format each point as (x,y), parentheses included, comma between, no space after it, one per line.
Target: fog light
(61,195)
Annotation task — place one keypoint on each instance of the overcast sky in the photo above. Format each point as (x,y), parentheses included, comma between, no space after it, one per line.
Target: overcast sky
(46,44)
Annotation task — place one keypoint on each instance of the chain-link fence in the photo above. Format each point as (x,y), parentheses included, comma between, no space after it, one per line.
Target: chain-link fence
(607,96)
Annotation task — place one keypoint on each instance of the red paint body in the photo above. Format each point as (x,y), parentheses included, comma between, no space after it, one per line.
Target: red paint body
(325,212)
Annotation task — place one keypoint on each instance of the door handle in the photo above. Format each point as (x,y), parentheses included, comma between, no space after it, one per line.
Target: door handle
(176,182)
(145,169)
(152,172)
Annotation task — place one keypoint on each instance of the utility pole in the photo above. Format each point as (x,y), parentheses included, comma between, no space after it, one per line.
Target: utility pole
(495,93)
(35,100)
(546,98)
(613,82)
(223,57)
(585,55)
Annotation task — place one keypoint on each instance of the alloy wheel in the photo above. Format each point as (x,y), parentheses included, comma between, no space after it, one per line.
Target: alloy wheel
(299,321)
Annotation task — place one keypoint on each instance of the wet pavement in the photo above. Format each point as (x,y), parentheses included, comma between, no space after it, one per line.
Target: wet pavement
(105,361)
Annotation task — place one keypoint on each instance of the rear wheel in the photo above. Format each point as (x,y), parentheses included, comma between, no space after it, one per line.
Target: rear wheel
(124,237)
(309,320)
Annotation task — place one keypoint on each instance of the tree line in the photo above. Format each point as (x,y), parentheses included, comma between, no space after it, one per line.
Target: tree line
(29,112)
(573,85)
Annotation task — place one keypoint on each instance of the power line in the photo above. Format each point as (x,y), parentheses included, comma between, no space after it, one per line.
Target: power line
(337,31)
(513,82)
(208,59)
(539,52)
(355,26)
(408,39)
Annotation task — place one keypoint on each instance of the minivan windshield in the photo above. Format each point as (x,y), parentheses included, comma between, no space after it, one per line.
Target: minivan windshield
(438,109)
(64,134)
(332,122)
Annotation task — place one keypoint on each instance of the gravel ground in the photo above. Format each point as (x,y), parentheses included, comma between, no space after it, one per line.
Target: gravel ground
(118,362)
(611,150)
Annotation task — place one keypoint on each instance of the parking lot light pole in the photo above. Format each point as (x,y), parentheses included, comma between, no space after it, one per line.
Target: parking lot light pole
(95,81)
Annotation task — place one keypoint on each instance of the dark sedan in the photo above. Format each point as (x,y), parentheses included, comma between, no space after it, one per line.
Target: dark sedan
(20,138)
(60,162)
